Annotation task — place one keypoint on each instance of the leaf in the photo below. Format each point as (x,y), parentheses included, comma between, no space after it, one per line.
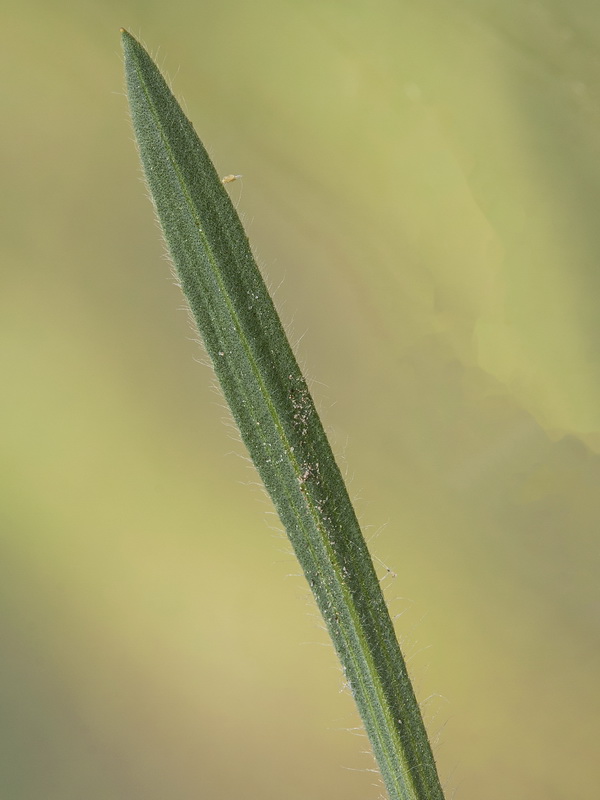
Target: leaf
(278,422)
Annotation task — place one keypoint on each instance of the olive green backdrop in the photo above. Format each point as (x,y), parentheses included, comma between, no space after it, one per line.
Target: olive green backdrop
(422,190)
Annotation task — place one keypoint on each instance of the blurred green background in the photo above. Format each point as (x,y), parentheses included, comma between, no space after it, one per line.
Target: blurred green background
(422,190)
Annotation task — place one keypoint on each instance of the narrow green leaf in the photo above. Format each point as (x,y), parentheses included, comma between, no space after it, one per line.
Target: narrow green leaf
(279,425)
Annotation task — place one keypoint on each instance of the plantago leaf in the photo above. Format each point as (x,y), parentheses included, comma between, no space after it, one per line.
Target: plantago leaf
(279,425)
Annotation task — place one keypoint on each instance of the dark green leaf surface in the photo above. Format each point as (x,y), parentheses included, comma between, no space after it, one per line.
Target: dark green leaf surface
(279,425)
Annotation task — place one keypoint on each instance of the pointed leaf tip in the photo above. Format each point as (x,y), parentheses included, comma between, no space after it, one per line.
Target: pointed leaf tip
(127,40)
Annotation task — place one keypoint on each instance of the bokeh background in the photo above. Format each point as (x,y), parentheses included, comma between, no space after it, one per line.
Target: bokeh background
(422,190)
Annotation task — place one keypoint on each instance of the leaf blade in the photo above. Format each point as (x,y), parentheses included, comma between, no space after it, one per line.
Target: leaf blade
(278,422)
